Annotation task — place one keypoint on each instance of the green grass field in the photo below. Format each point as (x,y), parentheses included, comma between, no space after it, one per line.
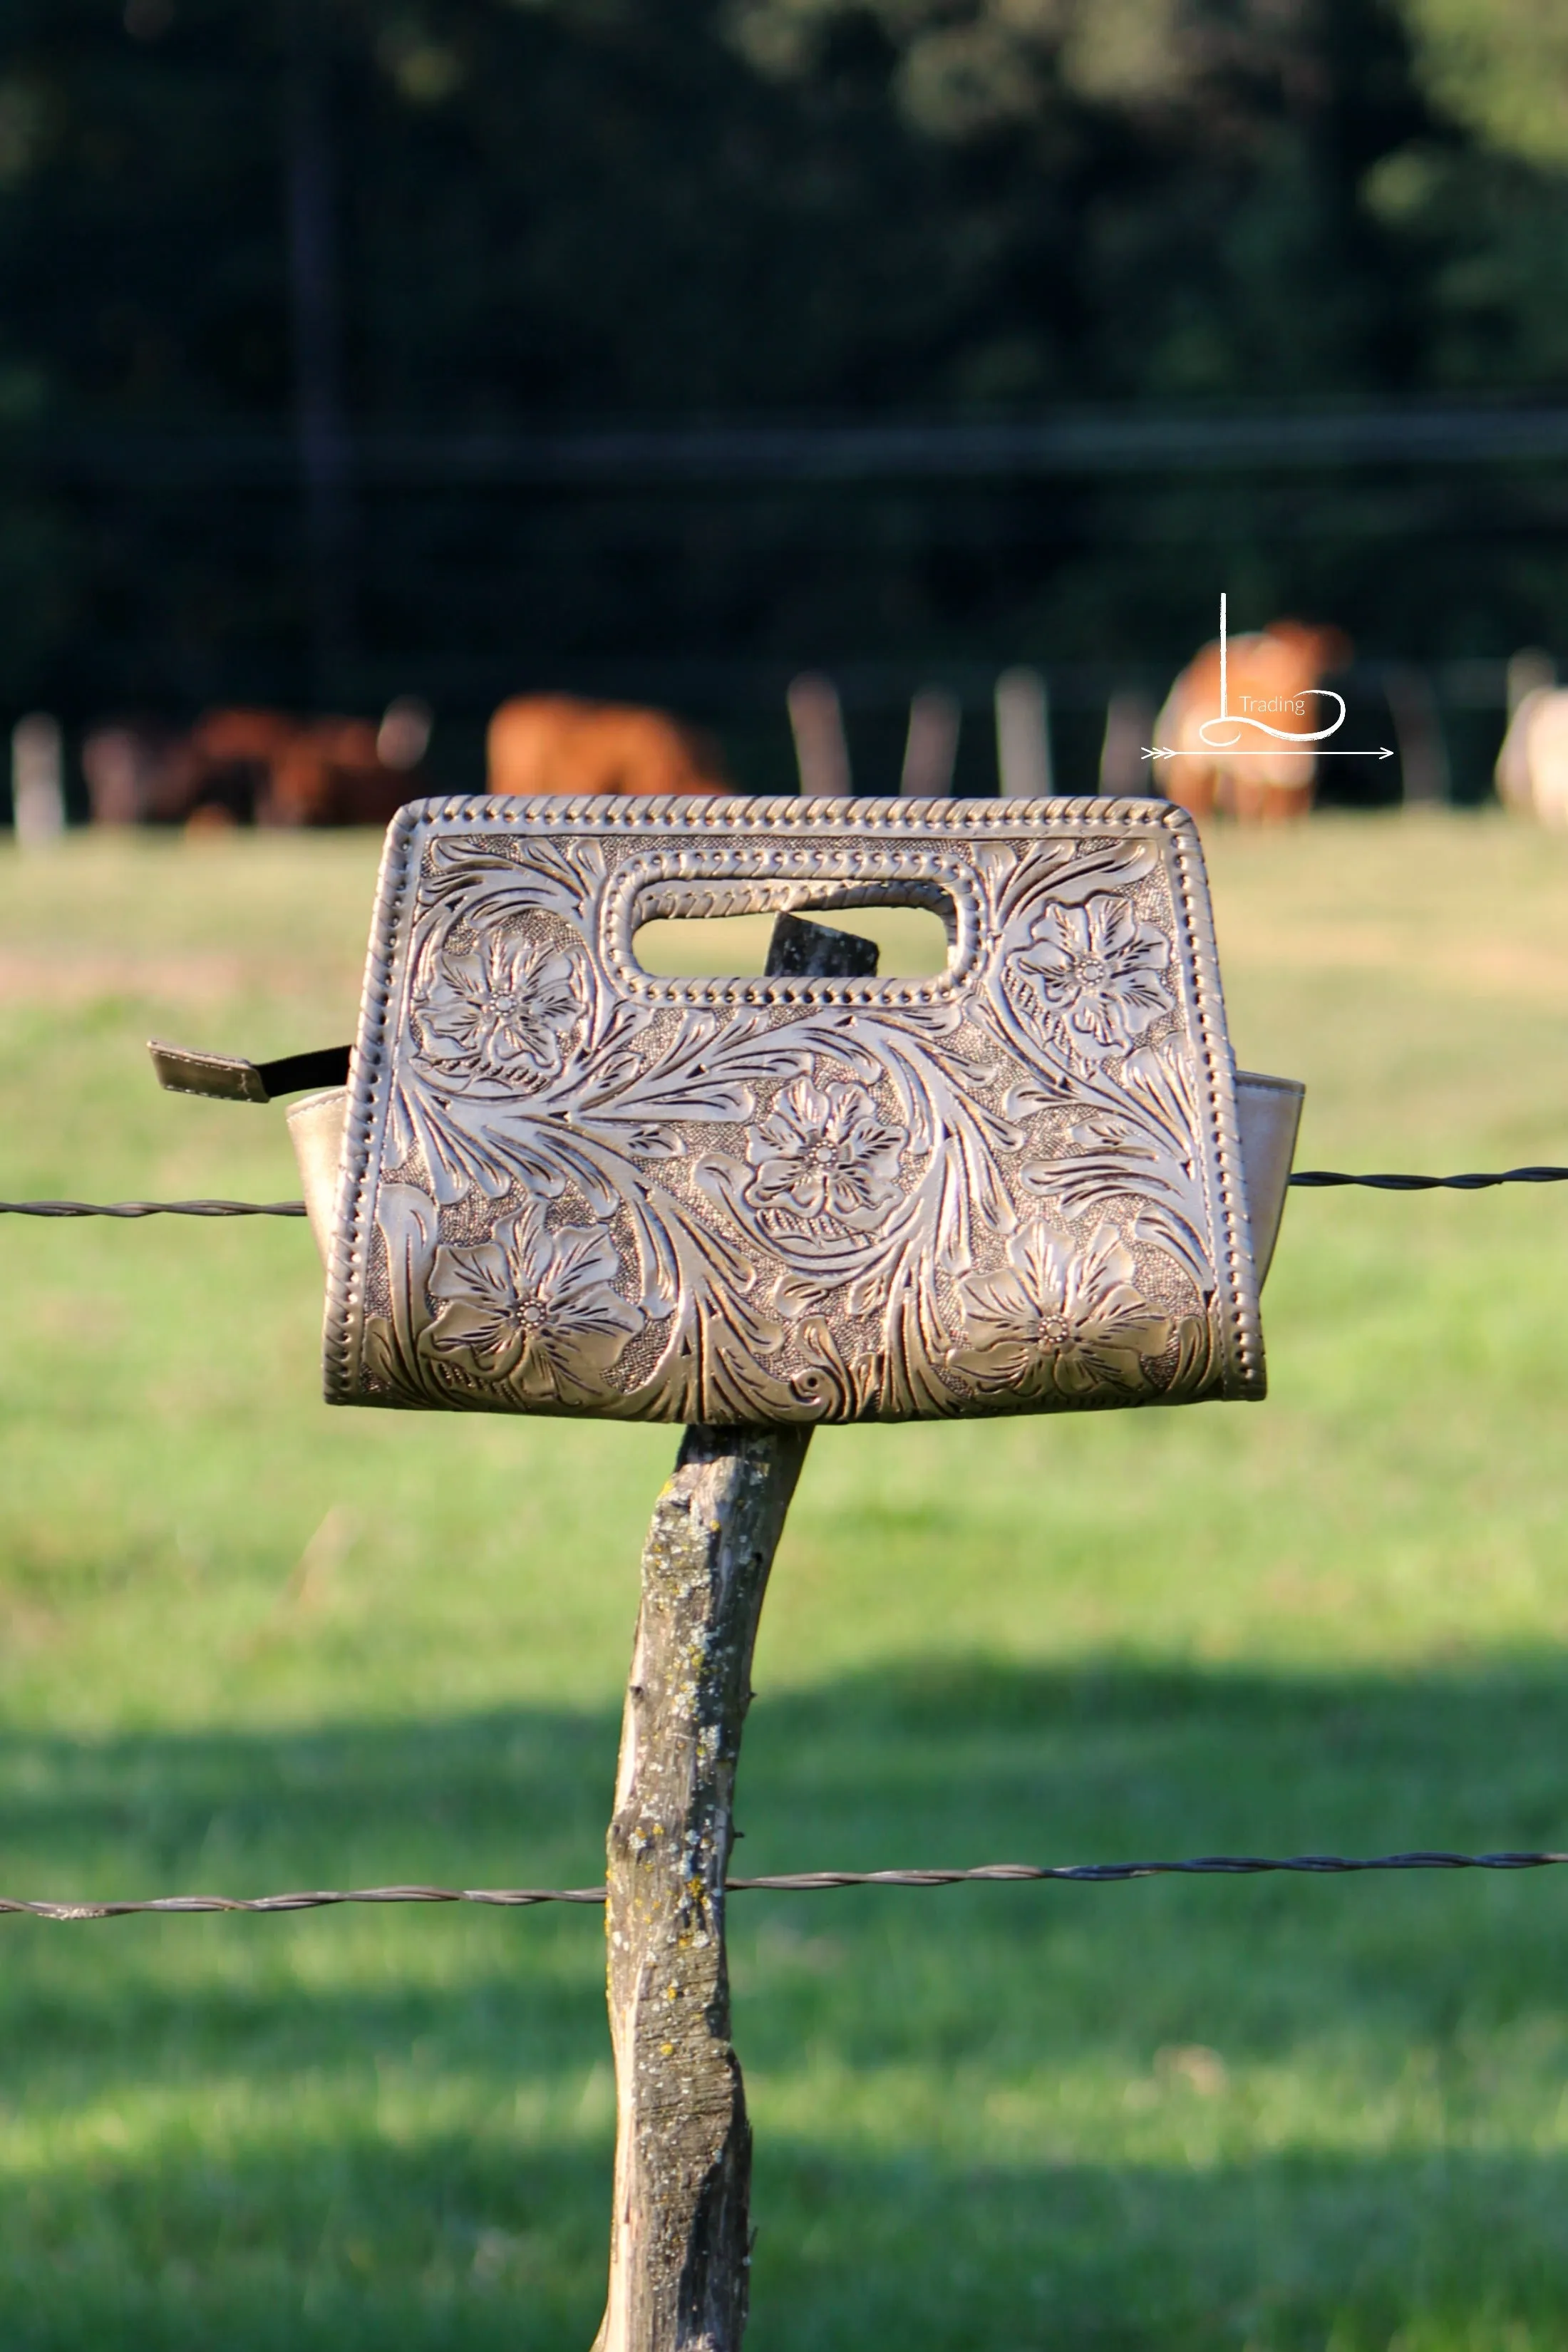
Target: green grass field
(248,1643)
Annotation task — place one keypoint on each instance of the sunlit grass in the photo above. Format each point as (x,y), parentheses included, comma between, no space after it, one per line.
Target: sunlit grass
(245,1642)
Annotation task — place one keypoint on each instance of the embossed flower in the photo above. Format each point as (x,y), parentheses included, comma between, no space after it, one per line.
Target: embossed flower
(1100,970)
(532,1307)
(1057,1320)
(508,1008)
(823,1152)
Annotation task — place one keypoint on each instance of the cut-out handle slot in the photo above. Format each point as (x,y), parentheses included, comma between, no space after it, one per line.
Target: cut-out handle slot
(912,941)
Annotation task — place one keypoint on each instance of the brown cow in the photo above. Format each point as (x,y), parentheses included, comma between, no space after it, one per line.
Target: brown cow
(258,767)
(554,744)
(1270,677)
(348,771)
(225,775)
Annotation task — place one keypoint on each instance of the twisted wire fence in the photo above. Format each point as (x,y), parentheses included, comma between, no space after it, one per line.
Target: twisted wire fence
(1306,1179)
(805,1882)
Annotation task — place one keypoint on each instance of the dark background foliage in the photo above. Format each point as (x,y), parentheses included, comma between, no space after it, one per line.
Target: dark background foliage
(381,249)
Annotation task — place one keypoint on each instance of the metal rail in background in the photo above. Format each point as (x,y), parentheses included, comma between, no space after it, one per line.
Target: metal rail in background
(1082,442)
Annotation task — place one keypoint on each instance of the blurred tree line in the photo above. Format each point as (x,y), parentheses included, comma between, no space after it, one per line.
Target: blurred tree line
(261,261)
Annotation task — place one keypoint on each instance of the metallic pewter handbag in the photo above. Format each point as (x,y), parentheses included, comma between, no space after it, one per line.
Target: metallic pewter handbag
(567,1186)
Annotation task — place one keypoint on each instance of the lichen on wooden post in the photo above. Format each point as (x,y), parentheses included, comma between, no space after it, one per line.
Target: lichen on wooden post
(680,2234)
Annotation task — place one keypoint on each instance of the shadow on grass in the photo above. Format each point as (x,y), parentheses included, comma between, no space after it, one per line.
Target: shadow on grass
(365,2248)
(1261,2114)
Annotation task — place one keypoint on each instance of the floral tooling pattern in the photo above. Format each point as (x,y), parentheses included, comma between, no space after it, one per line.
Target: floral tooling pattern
(1056,1322)
(534,1309)
(1100,970)
(824,1153)
(586,1190)
(507,1009)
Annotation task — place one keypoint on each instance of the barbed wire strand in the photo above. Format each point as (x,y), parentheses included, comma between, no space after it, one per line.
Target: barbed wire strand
(1318,1178)
(809,1882)
(151,1208)
(1307,1179)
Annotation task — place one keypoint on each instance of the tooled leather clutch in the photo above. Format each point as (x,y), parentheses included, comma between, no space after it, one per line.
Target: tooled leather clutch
(570,1186)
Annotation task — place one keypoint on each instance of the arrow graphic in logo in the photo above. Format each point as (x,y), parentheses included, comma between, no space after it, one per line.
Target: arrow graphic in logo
(1169,751)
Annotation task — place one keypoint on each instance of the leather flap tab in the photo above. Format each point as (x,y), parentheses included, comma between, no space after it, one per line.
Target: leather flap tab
(226,1076)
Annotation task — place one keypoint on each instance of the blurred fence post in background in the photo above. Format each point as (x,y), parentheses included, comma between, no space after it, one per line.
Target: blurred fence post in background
(1423,753)
(1528,671)
(1129,726)
(114,765)
(930,748)
(821,750)
(1023,736)
(37,781)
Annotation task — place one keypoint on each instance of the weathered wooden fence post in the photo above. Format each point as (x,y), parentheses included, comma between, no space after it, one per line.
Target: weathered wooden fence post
(680,2234)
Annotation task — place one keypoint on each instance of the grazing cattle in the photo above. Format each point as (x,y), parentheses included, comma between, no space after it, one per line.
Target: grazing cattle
(1532,766)
(142,771)
(338,771)
(554,744)
(258,767)
(226,773)
(1270,677)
